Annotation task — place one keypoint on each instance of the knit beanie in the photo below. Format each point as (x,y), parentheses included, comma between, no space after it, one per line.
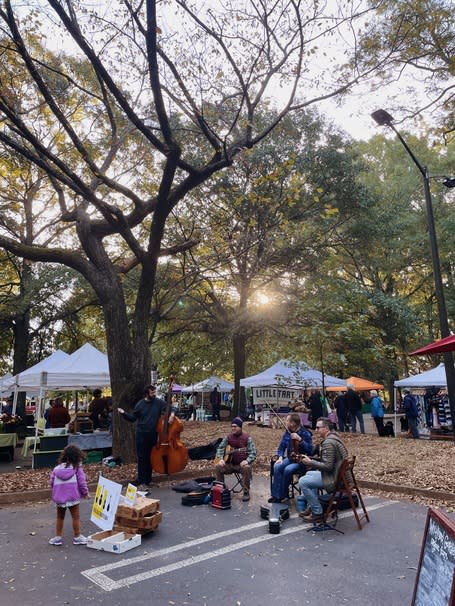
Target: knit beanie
(237,421)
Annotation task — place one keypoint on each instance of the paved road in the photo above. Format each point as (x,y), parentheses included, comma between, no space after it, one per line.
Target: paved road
(204,556)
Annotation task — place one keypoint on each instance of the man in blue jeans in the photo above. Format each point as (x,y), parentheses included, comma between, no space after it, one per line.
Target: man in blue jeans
(323,471)
(354,407)
(412,413)
(296,441)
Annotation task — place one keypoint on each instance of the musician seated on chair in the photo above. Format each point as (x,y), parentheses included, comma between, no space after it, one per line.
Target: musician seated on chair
(236,454)
(296,441)
(323,471)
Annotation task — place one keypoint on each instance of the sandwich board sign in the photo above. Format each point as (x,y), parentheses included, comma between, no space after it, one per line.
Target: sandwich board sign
(105,504)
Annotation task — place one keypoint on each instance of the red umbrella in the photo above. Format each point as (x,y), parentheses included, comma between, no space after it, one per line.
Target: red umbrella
(440,346)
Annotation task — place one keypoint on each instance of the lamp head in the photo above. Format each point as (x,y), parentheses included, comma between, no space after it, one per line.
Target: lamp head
(382,118)
(449,182)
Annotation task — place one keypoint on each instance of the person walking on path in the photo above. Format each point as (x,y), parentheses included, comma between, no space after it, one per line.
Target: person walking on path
(69,486)
(315,406)
(412,413)
(342,412)
(354,407)
(215,401)
(377,411)
(147,413)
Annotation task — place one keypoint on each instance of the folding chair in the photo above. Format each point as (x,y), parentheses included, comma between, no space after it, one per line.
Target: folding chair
(293,487)
(237,486)
(346,486)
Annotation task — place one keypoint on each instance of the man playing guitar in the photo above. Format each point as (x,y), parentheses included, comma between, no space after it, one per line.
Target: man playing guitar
(241,454)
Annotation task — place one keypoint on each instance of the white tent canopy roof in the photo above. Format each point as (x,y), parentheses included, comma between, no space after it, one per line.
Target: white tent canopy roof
(209,384)
(86,368)
(436,377)
(6,384)
(30,378)
(286,372)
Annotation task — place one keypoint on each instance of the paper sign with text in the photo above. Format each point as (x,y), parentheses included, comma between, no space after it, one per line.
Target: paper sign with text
(130,497)
(105,504)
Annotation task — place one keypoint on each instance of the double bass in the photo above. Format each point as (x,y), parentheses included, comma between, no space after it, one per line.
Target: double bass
(169,455)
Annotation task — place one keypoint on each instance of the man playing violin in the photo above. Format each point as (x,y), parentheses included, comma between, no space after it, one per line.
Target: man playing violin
(147,413)
(296,442)
(241,455)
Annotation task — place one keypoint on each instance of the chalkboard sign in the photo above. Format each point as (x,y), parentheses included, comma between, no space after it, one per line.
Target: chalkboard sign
(435,582)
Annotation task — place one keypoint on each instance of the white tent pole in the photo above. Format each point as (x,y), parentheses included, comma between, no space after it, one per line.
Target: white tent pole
(395,408)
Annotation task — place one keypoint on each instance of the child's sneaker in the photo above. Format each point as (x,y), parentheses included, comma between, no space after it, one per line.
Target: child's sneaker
(56,541)
(80,540)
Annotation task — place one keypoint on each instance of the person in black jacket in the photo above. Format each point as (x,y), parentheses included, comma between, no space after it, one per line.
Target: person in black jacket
(354,407)
(147,413)
(342,412)
(315,405)
(215,401)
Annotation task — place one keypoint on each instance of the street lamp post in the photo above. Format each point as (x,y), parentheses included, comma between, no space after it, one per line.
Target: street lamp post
(383,118)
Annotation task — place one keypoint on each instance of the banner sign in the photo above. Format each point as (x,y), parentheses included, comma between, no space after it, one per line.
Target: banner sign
(273,397)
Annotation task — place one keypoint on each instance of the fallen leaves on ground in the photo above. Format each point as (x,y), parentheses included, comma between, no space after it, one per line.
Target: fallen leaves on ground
(424,464)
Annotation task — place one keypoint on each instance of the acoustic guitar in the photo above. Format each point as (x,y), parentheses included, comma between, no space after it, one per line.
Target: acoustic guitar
(228,453)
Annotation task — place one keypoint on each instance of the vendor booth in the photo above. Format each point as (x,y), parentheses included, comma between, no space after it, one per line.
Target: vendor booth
(435,415)
(283,382)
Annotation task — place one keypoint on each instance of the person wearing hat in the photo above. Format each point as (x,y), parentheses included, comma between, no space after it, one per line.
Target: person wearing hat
(412,413)
(235,454)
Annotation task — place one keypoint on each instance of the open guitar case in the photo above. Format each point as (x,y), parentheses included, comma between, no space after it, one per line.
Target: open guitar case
(197,491)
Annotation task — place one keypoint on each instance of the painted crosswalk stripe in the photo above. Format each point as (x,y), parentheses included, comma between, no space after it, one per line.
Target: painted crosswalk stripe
(97,575)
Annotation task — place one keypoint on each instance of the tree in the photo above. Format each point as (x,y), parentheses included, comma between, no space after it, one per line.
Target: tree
(270,219)
(414,38)
(135,91)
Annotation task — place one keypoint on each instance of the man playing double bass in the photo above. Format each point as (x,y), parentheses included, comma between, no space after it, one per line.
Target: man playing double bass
(236,453)
(146,413)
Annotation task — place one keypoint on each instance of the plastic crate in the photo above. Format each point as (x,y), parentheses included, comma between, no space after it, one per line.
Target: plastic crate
(94,456)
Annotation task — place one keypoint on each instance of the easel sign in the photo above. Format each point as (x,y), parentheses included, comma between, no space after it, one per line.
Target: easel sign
(105,504)
(435,582)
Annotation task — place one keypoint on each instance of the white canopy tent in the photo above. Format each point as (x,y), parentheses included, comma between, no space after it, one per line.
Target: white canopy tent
(292,374)
(434,377)
(209,384)
(6,384)
(86,368)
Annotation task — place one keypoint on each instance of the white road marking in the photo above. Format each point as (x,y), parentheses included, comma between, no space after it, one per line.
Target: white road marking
(97,576)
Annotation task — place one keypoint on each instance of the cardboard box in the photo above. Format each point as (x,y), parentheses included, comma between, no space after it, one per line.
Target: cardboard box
(142,507)
(113,541)
(150,521)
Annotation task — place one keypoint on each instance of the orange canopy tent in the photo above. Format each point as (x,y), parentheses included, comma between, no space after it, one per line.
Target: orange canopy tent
(358,384)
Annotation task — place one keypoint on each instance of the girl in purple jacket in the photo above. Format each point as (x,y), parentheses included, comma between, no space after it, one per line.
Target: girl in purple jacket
(69,486)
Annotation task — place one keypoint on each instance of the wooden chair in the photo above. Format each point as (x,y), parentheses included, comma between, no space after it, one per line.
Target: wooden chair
(346,486)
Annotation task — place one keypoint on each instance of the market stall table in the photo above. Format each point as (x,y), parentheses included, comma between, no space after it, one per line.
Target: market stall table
(8,443)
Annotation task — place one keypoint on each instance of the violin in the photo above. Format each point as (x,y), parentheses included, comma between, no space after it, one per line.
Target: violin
(169,455)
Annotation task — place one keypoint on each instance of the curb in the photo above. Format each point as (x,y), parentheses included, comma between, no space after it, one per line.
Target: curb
(408,490)
(34,496)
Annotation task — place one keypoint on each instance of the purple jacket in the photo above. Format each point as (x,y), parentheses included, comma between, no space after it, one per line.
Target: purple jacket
(68,484)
